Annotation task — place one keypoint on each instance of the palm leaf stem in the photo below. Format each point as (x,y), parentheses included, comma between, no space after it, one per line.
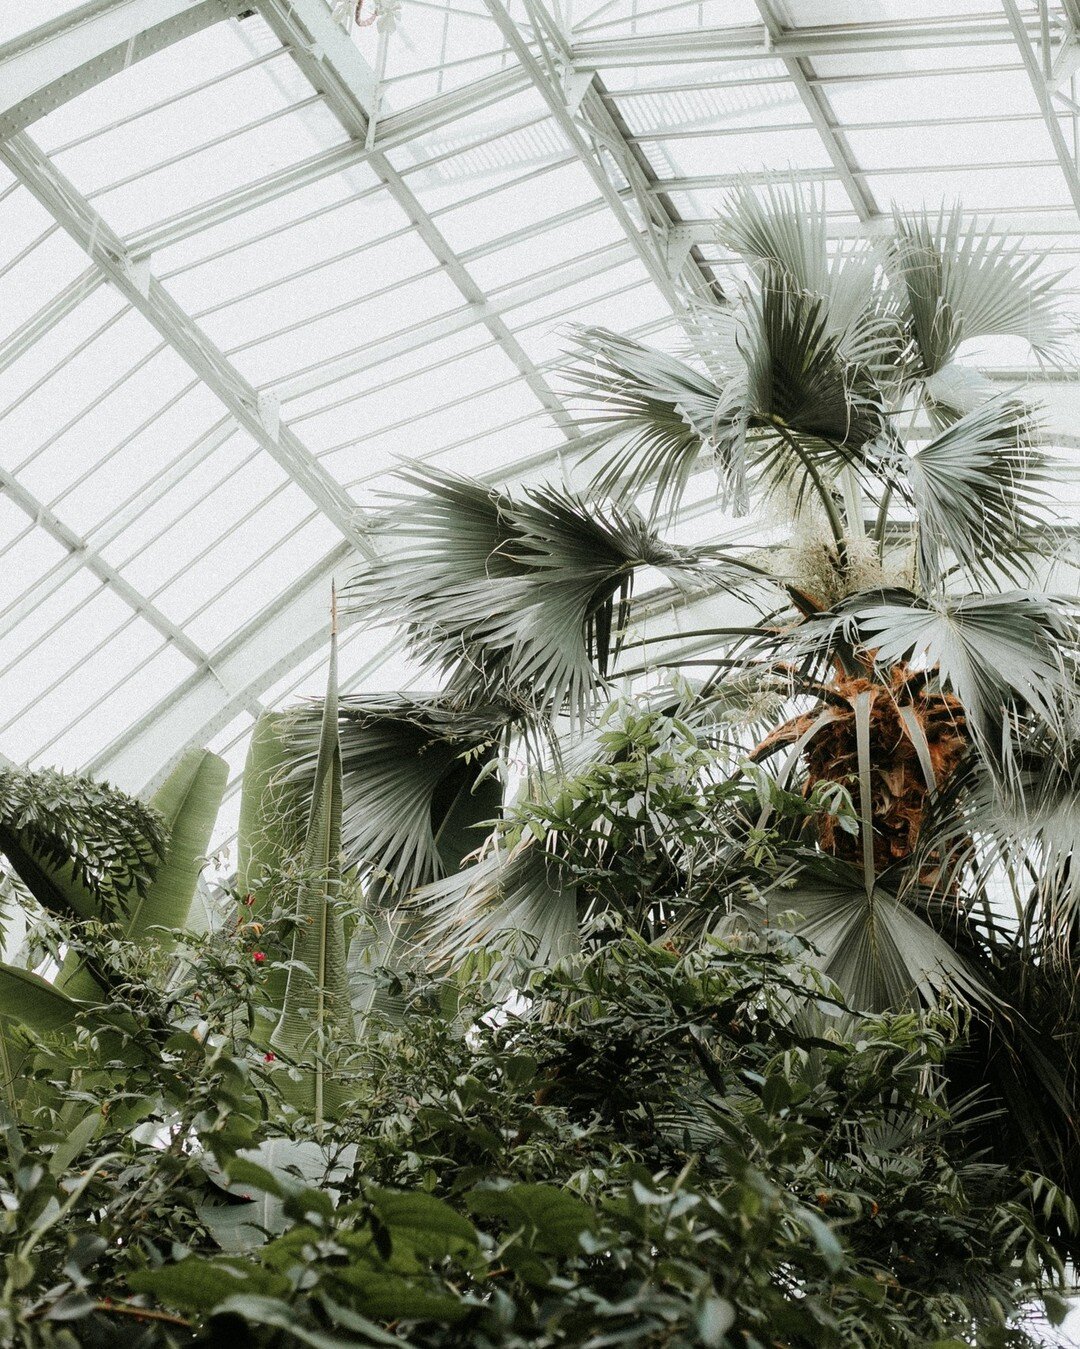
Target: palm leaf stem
(825,496)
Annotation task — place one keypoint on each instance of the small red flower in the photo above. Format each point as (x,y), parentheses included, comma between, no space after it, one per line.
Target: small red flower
(248,900)
(259,957)
(269,1057)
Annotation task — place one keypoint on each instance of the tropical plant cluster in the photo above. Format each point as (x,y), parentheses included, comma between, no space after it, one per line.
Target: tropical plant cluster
(696,965)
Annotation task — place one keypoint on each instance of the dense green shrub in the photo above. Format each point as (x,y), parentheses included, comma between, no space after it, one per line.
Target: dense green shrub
(651,1147)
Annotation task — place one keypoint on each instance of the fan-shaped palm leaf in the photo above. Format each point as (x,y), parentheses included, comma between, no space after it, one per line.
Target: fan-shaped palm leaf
(878,950)
(516,901)
(1000,655)
(416,780)
(960,281)
(537,616)
(782,228)
(797,377)
(977,493)
(665,413)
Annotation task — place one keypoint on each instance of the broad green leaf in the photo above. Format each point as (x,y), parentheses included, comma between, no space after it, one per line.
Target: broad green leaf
(278,1315)
(188,801)
(28,999)
(264,839)
(260,1179)
(551,1220)
(195,1284)
(423,1224)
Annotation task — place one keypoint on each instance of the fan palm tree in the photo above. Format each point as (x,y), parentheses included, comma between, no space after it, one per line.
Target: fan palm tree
(916,661)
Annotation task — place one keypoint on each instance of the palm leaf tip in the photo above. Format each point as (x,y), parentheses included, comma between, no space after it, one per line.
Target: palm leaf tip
(961,279)
(978,492)
(539,588)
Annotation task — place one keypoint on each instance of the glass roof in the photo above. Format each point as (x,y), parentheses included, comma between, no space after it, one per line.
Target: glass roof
(255,252)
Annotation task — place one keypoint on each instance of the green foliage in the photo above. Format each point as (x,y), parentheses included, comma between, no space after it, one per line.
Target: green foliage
(695,1147)
(81,848)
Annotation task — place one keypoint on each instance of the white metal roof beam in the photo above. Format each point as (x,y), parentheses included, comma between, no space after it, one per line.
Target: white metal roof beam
(334,66)
(257,656)
(59,60)
(104,571)
(578,107)
(816,103)
(133,280)
(48,316)
(1001,222)
(1045,98)
(748,42)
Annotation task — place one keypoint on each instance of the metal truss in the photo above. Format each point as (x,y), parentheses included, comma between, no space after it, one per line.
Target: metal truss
(333,65)
(256,413)
(59,60)
(750,42)
(817,106)
(260,653)
(1044,85)
(576,101)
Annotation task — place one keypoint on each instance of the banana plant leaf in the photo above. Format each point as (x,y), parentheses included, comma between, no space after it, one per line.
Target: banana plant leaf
(28,1000)
(188,801)
(265,841)
(316,1024)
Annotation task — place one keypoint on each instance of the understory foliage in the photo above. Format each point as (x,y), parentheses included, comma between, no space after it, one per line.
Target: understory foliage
(690,1140)
(670,1146)
(695,966)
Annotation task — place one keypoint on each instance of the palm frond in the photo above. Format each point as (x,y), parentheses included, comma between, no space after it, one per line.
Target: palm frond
(663,414)
(519,901)
(416,780)
(1003,656)
(82,848)
(961,281)
(798,378)
(536,619)
(978,495)
(879,951)
(782,227)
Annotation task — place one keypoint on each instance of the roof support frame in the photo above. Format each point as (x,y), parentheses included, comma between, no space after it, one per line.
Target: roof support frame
(817,106)
(56,61)
(132,278)
(1043,93)
(257,656)
(578,108)
(334,67)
